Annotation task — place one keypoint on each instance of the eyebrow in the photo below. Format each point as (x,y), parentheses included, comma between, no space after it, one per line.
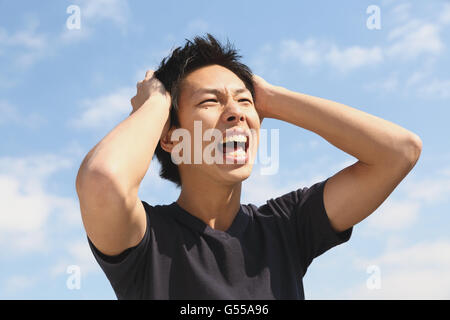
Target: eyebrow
(217,91)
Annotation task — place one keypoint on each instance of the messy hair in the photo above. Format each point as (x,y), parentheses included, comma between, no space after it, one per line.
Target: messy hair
(196,53)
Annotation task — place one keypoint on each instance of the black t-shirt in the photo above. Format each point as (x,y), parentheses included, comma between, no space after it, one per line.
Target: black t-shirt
(263,255)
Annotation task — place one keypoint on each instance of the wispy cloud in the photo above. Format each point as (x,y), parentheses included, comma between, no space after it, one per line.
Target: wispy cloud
(409,40)
(437,88)
(78,254)
(419,271)
(414,39)
(400,213)
(116,11)
(309,52)
(313,52)
(389,84)
(444,17)
(394,215)
(26,204)
(105,111)
(16,284)
(25,46)
(420,41)
(28,45)
(429,190)
(11,115)
(353,57)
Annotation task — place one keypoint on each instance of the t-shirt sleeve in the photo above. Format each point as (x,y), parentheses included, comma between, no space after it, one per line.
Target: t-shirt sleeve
(125,271)
(305,213)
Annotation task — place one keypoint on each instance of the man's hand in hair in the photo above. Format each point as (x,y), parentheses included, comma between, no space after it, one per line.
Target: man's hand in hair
(263,94)
(150,87)
(147,88)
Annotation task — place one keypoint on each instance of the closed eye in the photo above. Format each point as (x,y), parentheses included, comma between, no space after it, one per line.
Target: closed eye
(209,100)
(215,101)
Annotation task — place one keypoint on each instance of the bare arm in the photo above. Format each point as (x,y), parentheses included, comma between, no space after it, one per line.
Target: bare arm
(109,177)
(385,151)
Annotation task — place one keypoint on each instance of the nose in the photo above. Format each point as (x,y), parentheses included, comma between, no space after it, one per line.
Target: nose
(233,113)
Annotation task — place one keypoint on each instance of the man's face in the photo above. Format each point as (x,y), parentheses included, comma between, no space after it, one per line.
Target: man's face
(217,97)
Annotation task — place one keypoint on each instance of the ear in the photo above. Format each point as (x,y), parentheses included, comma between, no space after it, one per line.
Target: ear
(166,143)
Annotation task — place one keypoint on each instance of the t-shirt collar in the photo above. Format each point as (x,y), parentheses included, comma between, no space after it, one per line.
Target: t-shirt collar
(237,226)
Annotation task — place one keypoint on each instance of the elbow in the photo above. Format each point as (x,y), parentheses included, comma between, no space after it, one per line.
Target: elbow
(89,180)
(412,148)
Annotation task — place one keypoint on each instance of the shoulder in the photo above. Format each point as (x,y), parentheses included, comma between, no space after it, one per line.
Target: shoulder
(285,204)
(159,212)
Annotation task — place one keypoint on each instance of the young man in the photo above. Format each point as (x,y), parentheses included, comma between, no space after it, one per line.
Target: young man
(206,244)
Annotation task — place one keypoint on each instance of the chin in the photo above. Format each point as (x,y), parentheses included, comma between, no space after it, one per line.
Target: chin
(234,173)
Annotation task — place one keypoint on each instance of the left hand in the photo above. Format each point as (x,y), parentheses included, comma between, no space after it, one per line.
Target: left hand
(262,96)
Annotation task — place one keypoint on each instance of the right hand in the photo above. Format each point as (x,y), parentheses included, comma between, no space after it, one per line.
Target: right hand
(146,88)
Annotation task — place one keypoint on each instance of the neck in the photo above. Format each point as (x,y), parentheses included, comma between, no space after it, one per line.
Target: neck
(214,203)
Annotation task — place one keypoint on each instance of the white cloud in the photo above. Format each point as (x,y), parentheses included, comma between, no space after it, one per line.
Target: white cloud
(105,111)
(444,17)
(116,11)
(21,212)
(26,205)
(92,12)
(309,52)
(410,39)
(16,284)
(393,215)
(257,189)
(397,215)
(420,271)
(429,190)
(79,255)
(313,52)
(25,46)
(12,116)
(414,39)
(401,12)
(415,78)
(389,84)
(353,57)
(435,88)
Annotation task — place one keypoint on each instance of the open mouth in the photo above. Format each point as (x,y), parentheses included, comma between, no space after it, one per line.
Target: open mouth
(234,147)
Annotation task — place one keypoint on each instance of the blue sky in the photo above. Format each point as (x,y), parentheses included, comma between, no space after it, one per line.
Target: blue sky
(62,91)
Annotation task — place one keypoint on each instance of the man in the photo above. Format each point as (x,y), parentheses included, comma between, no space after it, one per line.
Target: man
(206,244)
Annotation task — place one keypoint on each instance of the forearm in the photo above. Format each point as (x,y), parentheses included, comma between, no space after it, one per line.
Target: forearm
(125,153)
(370,139)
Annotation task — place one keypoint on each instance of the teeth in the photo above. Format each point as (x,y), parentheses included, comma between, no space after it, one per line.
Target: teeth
(235,138)
(237,153)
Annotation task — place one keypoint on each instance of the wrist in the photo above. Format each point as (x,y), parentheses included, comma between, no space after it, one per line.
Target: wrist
(160,100)
(271,96)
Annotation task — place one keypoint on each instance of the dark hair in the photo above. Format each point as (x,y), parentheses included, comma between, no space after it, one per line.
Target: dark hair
(200,52)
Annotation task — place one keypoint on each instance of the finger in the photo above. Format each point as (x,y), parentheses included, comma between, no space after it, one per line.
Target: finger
(149,74)
(139,84)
